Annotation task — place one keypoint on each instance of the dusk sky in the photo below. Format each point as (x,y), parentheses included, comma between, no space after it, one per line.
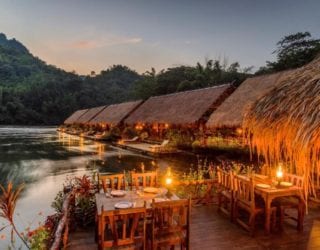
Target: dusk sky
(93,35)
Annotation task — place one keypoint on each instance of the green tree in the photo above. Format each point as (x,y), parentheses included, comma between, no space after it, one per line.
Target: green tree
(293,51)
(144,88)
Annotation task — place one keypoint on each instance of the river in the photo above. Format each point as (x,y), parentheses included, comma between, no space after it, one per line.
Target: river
(43,159)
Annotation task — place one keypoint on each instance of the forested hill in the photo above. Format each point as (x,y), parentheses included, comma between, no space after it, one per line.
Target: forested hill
(34,93)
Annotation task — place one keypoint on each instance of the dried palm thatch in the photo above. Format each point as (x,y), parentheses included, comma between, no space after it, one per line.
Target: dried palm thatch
(75,116)
(115,113)
(231,112)
(180,108)
(284,125)
(91,113)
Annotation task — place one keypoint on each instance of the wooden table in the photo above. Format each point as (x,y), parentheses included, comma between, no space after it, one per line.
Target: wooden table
(136,197)
(269,194)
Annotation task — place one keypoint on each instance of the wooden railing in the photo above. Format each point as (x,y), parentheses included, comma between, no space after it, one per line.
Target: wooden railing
(62,231)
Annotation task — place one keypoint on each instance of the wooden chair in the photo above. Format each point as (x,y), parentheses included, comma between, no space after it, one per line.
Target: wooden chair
(161,147)
(170,224)
(292,204)
(245,200)
(122,229)
(315,180)
(225,192)
(133,140)
(148,179)
(115,181)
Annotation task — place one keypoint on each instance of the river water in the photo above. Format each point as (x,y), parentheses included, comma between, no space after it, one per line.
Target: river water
(42,159)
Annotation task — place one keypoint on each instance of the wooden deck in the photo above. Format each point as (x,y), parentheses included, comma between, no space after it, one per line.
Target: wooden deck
(143,148)
(212,230)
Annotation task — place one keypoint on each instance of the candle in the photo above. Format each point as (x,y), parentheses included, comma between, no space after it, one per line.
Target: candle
(168,182)
(279,174)
(168,177)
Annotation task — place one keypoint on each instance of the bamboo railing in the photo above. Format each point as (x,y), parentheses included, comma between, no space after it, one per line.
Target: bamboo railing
(62,231)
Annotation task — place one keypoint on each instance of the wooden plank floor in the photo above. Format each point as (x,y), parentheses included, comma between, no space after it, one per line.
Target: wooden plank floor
(211,230)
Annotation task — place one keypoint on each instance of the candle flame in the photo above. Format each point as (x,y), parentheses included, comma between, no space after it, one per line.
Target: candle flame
(168,176)
(279,172)
(168,181)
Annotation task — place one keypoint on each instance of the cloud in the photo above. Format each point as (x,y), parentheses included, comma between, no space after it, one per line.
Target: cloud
(105,42)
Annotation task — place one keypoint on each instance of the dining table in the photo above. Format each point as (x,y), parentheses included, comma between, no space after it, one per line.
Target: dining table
(137,198)
(270,192)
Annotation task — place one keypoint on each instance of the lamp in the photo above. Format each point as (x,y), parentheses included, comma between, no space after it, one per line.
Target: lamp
(279,174)
(168,181)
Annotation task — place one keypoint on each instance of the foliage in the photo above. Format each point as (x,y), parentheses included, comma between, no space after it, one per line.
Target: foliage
(217,142)
(84,210)
(187,78)
(83,186)
(128,133)
(8,202)
(112,135)
(203,171)
(38,238)
(180,138)
(85,205)
(192,182)
(293,51)
(58,202)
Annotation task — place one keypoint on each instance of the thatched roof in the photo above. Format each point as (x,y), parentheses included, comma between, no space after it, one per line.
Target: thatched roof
(179,108)
(90,114)
(284,125)
(115,113)
(231,112)
(75,116)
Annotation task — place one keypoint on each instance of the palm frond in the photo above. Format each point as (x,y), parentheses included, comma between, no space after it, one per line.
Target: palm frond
(284,124)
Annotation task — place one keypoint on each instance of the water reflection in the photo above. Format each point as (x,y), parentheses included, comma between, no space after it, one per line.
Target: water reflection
(43,159)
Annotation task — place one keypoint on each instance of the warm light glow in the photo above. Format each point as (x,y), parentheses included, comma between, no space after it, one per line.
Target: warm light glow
(168,181)
(139,127)
(169,177)
(81,144)
(239,131)
(279,172)
(166,125)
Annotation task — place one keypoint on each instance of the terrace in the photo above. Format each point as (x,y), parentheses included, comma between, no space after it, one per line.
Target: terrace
(211,230)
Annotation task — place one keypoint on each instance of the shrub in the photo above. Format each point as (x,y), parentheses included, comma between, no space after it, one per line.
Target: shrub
(180,138)
(128,133)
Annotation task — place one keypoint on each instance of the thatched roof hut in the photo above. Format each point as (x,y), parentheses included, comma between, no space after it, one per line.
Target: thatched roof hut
(284,125)
(91,113)
(75,116)
(114,114)
(186,107)
(231,112)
